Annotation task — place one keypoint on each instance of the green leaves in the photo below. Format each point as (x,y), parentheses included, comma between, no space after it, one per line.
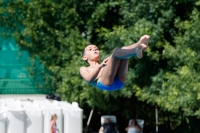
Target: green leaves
(168,74)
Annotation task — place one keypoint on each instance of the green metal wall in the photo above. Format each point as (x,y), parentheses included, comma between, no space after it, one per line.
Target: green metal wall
(14,75)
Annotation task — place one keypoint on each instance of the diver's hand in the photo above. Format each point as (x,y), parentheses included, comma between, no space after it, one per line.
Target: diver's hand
(104,62)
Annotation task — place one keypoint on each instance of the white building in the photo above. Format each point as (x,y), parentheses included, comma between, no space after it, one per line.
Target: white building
(19,115)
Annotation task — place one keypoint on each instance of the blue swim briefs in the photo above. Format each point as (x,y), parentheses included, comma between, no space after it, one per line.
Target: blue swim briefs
(116,85)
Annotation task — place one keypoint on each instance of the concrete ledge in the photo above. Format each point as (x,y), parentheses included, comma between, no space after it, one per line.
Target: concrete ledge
(24,96)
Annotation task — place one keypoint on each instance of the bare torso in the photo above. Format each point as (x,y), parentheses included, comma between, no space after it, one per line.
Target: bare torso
(93,72)
(91,69)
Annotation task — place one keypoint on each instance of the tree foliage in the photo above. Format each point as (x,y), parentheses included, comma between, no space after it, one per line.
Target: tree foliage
(57,32)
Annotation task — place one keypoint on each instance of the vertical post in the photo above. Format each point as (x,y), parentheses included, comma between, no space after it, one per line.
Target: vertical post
(156,111)
(88,122)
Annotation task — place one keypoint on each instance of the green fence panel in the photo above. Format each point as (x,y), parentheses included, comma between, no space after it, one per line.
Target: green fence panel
(14,75)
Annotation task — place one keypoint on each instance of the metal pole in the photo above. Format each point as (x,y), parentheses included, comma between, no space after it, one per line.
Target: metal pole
(156,109)
(88,122)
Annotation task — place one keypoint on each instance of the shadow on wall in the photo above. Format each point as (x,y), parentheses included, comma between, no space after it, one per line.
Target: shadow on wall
(8,44)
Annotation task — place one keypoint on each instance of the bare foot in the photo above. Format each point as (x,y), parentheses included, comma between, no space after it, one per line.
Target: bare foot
(142,45)
(139,50)
(145,40)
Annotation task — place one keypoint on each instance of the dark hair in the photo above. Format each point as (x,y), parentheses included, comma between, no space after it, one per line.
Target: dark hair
(135,121)
(83,53)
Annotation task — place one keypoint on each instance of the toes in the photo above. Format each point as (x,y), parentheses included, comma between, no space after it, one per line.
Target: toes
(144,46)
(144,40)
(147,37)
